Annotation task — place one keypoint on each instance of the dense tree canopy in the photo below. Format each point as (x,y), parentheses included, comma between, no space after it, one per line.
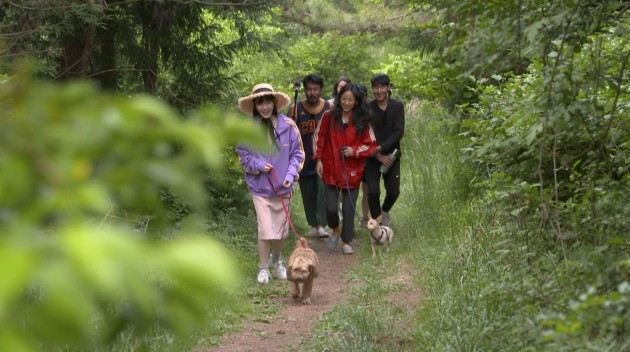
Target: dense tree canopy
(178,50)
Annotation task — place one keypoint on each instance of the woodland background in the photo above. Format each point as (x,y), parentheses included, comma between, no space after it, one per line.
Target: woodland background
(121,199)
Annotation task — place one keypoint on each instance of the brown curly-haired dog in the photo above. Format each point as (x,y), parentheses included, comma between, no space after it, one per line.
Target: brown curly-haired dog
(302,269)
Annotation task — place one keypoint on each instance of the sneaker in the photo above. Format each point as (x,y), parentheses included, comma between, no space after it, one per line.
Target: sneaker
(387,221)
(312,232)
(347,249)
(321,232)
(332,241)
(263,276)
(279,272)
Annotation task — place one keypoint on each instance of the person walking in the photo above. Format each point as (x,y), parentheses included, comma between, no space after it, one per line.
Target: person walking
(270,174)
(343,140)
(388,119)
(306,114)
(341,81)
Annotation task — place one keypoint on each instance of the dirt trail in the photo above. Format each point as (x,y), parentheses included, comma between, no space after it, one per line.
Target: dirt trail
(294,321)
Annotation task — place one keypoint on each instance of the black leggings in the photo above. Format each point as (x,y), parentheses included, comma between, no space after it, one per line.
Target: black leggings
(348,206)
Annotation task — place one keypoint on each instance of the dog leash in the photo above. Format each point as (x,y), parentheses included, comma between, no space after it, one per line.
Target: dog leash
(286,211)
(347,178)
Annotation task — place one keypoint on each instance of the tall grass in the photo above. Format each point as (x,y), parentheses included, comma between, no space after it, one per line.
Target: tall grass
(478,293)
(445,248)
(430,219)
(475,281)
(489,285)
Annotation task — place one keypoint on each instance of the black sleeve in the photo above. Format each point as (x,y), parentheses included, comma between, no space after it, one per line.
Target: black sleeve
(397,114)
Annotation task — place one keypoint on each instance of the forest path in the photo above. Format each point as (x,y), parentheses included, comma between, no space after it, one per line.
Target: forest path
(294,321)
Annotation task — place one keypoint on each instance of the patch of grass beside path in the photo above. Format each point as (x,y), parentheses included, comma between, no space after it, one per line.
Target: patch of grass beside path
(386,310)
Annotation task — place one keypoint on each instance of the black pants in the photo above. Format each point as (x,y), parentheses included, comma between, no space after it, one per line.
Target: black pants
(391,180)
(312,189)
(348,206)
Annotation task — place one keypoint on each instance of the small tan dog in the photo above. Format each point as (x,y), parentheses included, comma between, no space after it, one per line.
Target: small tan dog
(302,269)
(381,235)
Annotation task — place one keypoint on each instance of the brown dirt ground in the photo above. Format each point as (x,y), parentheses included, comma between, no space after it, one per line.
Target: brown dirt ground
(295,320)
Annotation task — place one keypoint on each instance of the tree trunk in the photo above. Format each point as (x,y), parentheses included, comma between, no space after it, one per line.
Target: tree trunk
(77,48)
(150,46)
(107,76)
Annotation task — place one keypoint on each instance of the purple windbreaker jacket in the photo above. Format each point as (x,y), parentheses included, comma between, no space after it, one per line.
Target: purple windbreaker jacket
(287,162)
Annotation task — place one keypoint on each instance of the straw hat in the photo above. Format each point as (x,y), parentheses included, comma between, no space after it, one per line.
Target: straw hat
(246,104)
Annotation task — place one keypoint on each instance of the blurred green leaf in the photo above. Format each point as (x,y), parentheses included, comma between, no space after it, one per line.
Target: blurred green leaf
(84,209)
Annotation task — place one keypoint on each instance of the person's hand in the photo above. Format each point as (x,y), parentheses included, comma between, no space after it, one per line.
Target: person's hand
(319,168)
(268,168)
(348,151)
(385,159)
(286,184)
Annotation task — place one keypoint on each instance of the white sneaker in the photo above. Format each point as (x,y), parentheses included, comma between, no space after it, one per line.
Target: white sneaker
(312,232)
(387,221)
(321,232)
(346,249)
(279,271)
(263,276)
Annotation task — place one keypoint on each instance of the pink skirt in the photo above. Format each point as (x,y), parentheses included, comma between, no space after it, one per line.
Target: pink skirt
(272,216)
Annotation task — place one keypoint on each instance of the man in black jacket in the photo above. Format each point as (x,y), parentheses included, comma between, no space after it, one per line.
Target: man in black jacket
(388,118)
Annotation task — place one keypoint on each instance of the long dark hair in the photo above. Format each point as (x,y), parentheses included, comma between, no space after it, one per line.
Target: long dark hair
(360,112)
(266,124)
(335,96)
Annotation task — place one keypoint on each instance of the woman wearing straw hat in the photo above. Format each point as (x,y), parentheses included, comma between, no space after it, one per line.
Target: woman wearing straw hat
(270,174)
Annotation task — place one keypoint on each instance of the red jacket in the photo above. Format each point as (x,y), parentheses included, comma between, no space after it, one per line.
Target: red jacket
(343,172)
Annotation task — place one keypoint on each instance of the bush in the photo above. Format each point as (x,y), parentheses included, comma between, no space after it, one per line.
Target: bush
(82,209)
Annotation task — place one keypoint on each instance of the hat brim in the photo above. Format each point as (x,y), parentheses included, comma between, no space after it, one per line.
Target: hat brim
(246,104)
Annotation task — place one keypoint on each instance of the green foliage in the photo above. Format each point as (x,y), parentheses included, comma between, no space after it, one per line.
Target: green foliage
(348,17)
(329,55)
(413,76)
(490,282)
(82,210)
(331,39)
(332,55)
(549,141)
(562,133)
(178,49)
